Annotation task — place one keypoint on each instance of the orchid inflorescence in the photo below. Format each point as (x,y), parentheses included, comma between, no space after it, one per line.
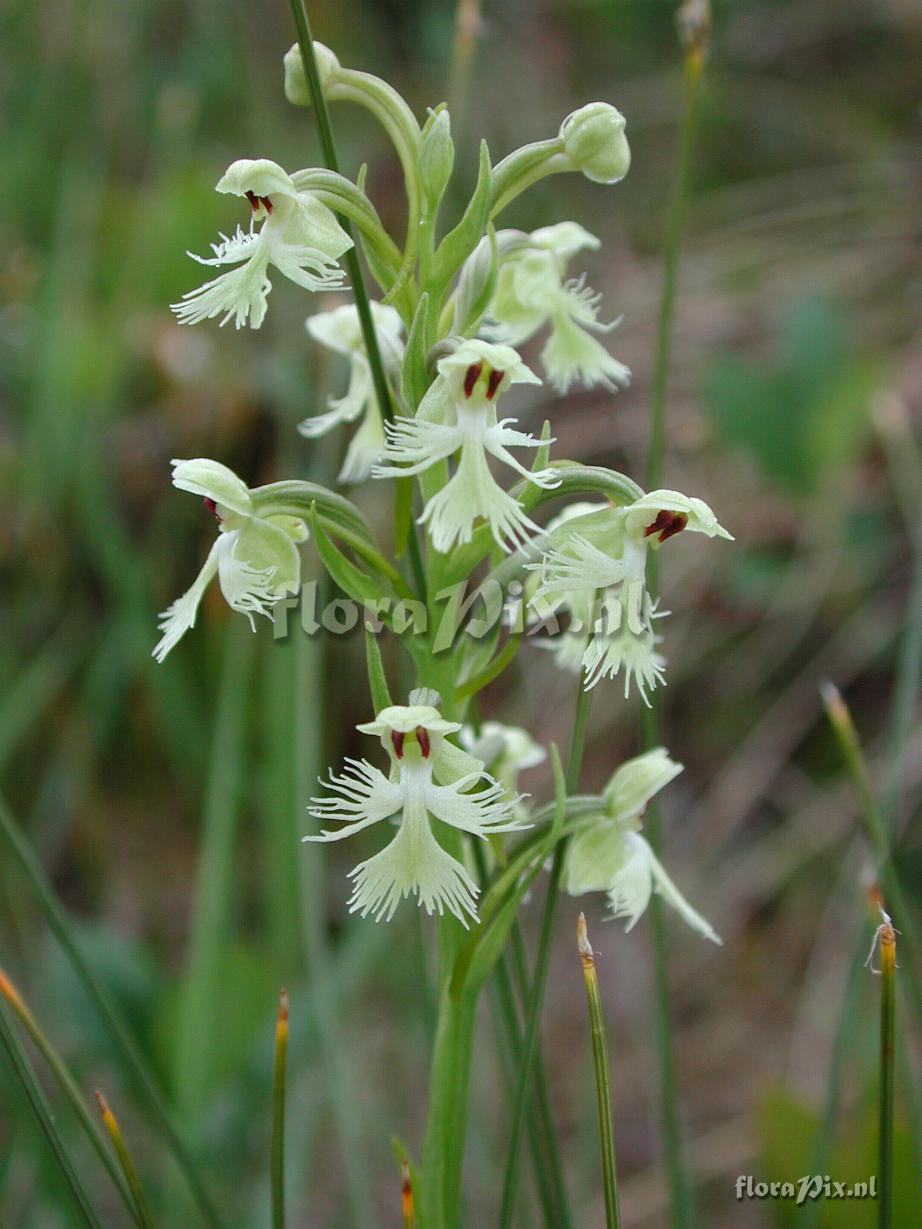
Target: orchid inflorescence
(450,314)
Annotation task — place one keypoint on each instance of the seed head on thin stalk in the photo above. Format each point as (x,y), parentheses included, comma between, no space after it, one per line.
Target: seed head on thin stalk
(125,1160)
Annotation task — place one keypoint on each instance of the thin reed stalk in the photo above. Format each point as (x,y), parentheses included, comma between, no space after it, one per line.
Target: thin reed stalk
(129,1053)
(694,25)
(877,831)
(887,937)
(602,1075)
(129,1169)
(562,787)
(277,1146)
(26,1077)
(68,1086)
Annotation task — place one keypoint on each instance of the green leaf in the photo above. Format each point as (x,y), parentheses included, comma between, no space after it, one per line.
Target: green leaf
(355,583)
(377,679)
(458,244)
(414,375)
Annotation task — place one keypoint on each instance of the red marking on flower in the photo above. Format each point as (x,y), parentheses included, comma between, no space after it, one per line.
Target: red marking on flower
(397,739)
(259,201)
(422,735)
(666,525)
(471,376)
(496,378)
(212,507)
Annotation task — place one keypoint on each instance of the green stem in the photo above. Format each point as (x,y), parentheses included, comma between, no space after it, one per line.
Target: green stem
(539,979)
(542,1137)
(602,1077)
(679,1183)
(887,1065)
(674,235)
(99,995)
(277,1145)
(31,1087)
(353,264)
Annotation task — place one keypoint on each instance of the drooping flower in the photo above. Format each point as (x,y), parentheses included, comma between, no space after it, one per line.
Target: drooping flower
(255,557)
(422,792)
(610,855)
(606,550)
(459,412)
(299,236)
(532,290)
(341,331)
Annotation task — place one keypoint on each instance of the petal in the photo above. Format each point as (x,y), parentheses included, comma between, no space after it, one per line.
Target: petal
(571,355)
(241,293)
(473,492)
(701,518)
(565,239)
(480,813)
(212,480)
(595,857)
(266,547)
(360,796)
(629,890)
(365,448)
(414,444)
(413,862)
(404,719)
(635,782)
(312,225)
(178,618)
(260,176)
(672,896)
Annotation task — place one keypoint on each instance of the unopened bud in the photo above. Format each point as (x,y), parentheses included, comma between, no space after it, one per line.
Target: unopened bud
(594,141)
(297,90)
(436,157)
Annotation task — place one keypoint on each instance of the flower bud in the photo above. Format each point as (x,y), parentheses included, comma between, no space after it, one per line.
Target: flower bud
(594,141)
(297,90)
(436,157)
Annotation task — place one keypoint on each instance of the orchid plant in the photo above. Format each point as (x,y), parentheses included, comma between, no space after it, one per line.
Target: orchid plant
(428,366)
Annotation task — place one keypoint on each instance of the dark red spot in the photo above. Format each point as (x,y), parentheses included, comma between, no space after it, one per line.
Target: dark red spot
(496,378)
(471,376)
(212,507)
(257,201)
(422,735)
(666,525)
(397,739)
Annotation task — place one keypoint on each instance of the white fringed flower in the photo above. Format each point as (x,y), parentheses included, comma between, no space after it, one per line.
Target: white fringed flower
(610,855)
(459,412)
(423,789)
(532,290)
(605,552)
(255,558)
(341,331)
(299,236)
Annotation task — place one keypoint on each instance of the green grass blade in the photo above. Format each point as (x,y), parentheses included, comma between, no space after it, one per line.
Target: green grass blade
(26,1077)
(277,1147)
(129,1169)
(68,1086)
(130,1054)
(198,1023)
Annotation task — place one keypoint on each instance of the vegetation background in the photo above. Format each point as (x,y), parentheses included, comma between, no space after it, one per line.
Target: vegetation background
(162,800)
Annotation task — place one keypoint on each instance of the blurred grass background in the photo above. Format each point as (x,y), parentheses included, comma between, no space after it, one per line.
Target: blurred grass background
(165,803)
